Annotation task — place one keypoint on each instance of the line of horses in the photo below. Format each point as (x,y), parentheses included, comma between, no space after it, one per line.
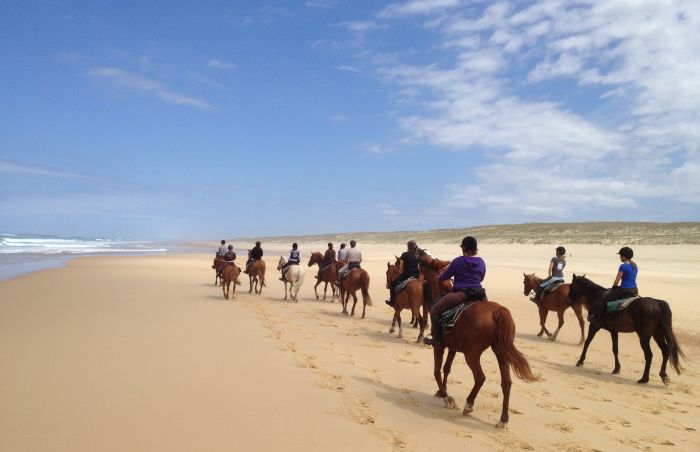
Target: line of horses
(484,324)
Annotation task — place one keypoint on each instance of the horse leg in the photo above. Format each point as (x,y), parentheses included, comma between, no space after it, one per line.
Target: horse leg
(644,342)
(419,320)
(560,316)
(591,334)
(543,320)
(448,400)
(474,363)
(661,342)
(506,383)
(345,298)
(317,283)
(393,321)
(578,310)
(398,319)
(325,290)
(354,303)
(438,354)
(613,336)
(285,289)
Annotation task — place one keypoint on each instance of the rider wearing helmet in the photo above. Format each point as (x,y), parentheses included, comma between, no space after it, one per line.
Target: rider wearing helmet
(555,273)
(468,271)
(255,255)
(294,259)
(625,284)
(408,262)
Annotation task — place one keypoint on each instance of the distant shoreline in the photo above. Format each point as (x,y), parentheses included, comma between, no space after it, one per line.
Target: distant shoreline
(603,233)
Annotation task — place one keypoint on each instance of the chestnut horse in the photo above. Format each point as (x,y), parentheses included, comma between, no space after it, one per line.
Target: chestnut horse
(329,275)
(354,280)
(483,324)
(411,297)
(556,300)
(294,276)
(256,274)
(217,266)
(229,275)
(648,317)
(430,269)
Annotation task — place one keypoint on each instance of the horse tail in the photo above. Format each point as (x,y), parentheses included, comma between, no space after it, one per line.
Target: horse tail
(504,346)
(364,284)
(427,295)
(674,350)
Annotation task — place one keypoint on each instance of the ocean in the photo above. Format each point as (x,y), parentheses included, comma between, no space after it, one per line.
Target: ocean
(25,253)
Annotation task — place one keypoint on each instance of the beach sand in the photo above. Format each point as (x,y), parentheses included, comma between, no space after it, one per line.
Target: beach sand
(144,354)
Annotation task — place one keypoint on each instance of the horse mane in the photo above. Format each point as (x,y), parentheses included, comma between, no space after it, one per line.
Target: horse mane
(589,283)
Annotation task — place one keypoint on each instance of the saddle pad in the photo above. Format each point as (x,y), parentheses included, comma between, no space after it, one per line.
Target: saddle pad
(450,318)
(619,305)
(402,284)
(554,286)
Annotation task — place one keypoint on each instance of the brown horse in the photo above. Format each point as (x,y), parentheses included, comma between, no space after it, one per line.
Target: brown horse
(483,324)
(411,297)
(556,300)
(217,266)
(354,280)
(648,317)
(256,275)
(430,269)
(329,275)
(229,275)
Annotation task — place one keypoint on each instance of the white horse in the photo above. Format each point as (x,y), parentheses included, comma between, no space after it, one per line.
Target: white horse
(294,276)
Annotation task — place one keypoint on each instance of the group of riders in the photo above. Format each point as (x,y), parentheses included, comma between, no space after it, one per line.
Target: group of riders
(468,272)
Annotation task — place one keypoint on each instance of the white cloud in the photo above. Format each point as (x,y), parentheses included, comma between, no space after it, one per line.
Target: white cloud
(220,64)
(347,68)
(30,170)
(136,83)
(417,7)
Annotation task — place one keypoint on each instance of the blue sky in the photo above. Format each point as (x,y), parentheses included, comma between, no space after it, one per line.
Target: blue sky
(175,120)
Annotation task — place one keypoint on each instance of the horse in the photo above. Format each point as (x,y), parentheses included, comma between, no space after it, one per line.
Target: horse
(411,297)
(294,276)
(556,300)
(217,265)
(353,280)
(483,324)
(256,275)
(229,275)
(329,275)
(646,316)
(430,269)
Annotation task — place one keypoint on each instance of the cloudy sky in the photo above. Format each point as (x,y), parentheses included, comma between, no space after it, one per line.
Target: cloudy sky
(167,120)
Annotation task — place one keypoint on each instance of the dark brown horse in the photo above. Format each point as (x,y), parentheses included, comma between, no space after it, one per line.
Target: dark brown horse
(648,317)
(329,275)
(556,300)
(256,275)
(230,275)
(356,279)
(411,297)
(217,266)
(483,324)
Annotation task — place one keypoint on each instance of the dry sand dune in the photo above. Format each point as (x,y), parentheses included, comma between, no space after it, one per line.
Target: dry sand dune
(143,353)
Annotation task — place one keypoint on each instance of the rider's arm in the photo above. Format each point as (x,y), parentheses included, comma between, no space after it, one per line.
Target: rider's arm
(617,279)
(551,266)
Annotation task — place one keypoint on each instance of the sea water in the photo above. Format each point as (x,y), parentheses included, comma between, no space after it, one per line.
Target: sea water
(25,253)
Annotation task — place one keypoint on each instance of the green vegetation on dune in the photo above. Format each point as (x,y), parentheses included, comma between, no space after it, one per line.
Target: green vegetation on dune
(606,233)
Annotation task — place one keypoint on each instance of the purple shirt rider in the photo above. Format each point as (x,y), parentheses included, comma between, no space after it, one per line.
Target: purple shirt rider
(468,272)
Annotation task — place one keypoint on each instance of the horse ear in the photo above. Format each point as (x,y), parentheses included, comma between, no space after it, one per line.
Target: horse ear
(388,264)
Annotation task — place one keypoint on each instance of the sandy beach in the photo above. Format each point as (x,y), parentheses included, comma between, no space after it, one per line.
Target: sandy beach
(144,354)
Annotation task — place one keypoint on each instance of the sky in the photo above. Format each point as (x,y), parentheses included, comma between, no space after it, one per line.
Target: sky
(183,120)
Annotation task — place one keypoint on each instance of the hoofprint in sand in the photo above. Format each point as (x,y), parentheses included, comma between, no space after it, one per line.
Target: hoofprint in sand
(143,353)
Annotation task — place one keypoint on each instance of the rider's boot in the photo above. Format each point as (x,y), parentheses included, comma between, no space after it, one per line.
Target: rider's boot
(435,332)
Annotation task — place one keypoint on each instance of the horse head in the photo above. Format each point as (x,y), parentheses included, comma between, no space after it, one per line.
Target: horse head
(315,258)
(529,283)
(281,263)
(392,272)
(582,287)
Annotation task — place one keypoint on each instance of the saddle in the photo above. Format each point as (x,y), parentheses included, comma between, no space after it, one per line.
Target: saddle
(449,318)
(400,286)
(619,305)
(552,287)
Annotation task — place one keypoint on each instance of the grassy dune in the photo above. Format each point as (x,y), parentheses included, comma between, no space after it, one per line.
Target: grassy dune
(532,233)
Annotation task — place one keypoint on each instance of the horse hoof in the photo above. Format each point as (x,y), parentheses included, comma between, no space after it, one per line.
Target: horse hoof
(539,334)
(400,335)
(420,339)
(449,402)
(643,381)
(502,425)
(552,338)
(666,380)
(468,408)
(391,330)
(615,372)
(579,364)
(440,394)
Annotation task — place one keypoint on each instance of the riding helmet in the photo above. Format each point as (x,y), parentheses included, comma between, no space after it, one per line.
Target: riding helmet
(626,251)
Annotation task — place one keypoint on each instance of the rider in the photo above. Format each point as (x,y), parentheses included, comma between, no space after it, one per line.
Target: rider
(294,259)
(469,272)
(255,255)
(222,249)
(229,257)
(408,263)
(555,273)
(354,256)
(328,259)
(342,253)
(625,284)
